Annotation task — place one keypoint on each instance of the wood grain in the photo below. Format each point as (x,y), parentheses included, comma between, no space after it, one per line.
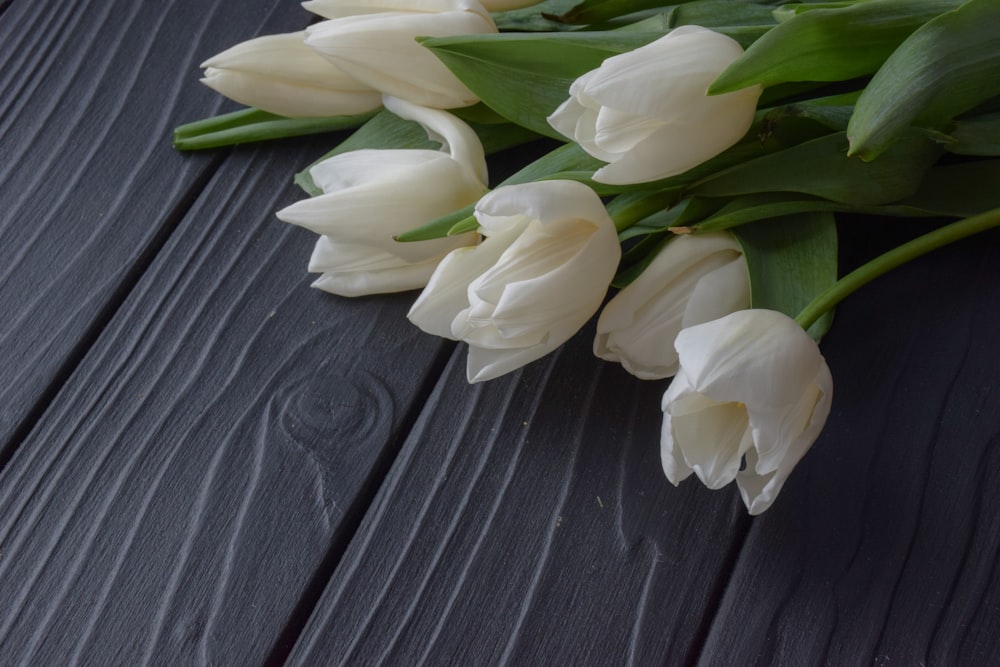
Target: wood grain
(211,455)
(90,186)
(528,521)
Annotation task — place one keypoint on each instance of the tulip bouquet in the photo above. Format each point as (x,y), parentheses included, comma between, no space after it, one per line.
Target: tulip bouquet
(698,155)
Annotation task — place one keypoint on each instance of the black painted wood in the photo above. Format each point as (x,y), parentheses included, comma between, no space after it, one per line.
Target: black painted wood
(528,521)
(90,186)
(205,464)
(193,437)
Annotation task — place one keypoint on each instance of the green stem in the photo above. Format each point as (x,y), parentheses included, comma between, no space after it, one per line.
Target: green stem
(249,125)
(884,263)
(629,208)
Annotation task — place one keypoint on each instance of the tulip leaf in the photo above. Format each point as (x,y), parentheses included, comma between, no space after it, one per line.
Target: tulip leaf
(541,17)
(598,11)
(791,259)
(975,136)
(524,76)
(721,13)
(960,190)
(949,66)
(820,167)
(829,44)
(952,190)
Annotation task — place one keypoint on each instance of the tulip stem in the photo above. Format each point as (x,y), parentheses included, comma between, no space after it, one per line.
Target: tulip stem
(248,125)
(629,208)
(898,256)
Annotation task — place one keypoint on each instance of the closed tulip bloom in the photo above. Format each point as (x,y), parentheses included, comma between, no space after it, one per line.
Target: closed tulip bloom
(646,112)
(549,254)
(280,74)
(375,42)
(694,279)
(370,196)
(750,398)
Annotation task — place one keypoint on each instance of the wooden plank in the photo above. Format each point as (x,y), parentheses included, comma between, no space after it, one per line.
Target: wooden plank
(90,186)
(203,468)
(883,547)
(527,521)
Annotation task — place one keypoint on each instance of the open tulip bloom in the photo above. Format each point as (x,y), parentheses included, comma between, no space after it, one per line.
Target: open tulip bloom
(543,270)
(371,195)
(699,175)
(750,398)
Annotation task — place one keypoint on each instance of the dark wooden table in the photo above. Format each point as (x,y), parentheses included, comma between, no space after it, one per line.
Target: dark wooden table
(207,462)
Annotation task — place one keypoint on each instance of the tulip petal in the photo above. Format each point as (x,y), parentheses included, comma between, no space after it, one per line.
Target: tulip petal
(380,50)
(755,371)
(458,139)
(352,270)
(281,75)
(446,294)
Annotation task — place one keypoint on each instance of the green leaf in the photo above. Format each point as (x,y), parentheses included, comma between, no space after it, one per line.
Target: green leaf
(959,190)
(541,17)
(721,13)
(791,259)
(249,125)
(949,66)
(979,135)
(524,77)
(598,11)
(954,190)
(820,167)
(829,44)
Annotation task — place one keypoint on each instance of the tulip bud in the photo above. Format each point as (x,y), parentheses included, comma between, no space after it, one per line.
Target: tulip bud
(751,396)
(646,112)
(371,195)
(375,42)
(549,255)
(694,279)
(280,74)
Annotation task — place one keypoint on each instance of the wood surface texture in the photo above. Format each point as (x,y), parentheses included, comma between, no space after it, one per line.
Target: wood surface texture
(206,462)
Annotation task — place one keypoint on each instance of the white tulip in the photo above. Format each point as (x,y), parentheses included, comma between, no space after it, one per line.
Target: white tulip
(694,279)
(646,112)
(375,42)
(280,74)
(372,195)
(549,255)
(753,392)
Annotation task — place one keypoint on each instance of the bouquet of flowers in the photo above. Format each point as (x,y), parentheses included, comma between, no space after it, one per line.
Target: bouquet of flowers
(699,154)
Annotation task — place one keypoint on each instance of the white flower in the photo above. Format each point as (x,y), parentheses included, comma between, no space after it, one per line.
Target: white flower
(375,42)
(753,390)
(646,112)
(694,279)
(549,255)
(280,74)
(371,195)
